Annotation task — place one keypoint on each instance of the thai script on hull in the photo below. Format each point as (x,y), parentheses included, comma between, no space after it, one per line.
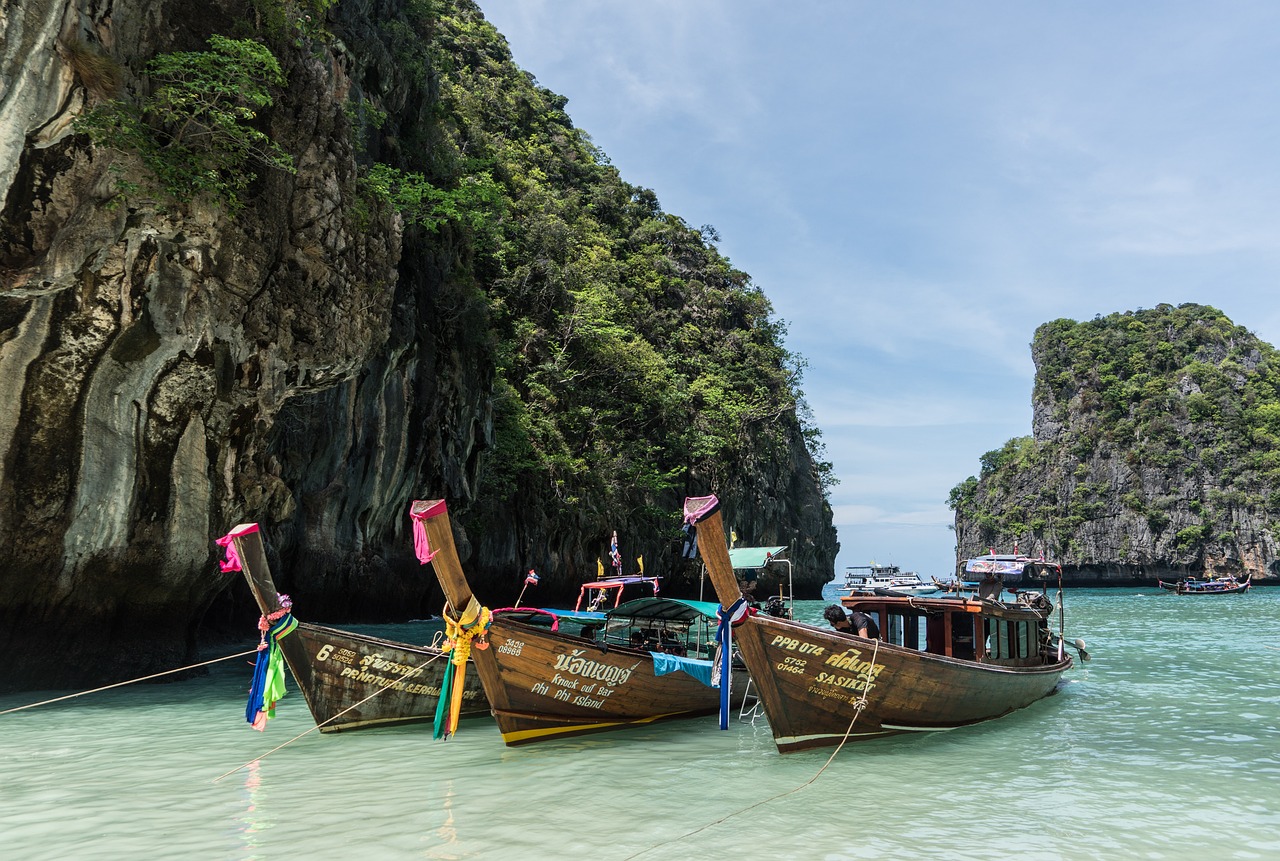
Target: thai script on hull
(577,665)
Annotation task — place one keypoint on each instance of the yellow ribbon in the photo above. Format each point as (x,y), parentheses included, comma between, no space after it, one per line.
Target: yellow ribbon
(471,624)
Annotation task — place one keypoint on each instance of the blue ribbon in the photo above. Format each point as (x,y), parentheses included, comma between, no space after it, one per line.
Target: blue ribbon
(254,705)
(257,689)
(724,636)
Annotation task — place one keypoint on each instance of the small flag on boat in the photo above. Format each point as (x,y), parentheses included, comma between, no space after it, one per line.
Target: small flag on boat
(531,578)
(733,537)
(599,570)
(640,562)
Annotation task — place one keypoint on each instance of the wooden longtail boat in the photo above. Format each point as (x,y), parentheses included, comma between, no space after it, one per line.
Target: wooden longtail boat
(1217,586)
(547,683)
(351,680)
(942,662)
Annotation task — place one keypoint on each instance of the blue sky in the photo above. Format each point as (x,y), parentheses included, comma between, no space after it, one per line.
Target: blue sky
(917,186)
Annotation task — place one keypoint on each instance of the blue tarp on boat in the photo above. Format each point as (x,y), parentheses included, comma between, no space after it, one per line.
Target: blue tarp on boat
(696,667)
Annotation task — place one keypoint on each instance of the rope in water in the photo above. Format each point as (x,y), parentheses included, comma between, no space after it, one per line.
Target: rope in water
(858,705)
(409,675)
(130,682)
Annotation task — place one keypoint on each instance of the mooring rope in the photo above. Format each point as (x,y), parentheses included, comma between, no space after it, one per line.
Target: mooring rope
(858,705)
(410,675)
(130,682)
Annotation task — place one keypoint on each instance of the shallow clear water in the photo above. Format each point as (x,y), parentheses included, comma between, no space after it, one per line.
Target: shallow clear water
(1165,746)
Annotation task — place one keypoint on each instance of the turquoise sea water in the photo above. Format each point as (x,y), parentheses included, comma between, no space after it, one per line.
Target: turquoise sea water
(1165,746)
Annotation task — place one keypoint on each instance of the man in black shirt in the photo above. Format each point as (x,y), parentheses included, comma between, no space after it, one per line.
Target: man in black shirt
(856,622)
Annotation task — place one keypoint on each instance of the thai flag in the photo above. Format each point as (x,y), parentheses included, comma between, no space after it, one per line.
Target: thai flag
(614,555)
(531,578)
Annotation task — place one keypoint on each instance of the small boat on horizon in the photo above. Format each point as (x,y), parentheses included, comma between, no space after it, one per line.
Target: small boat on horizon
(1225,585)
(937,664)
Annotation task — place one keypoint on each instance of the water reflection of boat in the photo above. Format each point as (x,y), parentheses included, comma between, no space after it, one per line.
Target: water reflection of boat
(551,673)
(1226,585)
(349,680)
(940,663)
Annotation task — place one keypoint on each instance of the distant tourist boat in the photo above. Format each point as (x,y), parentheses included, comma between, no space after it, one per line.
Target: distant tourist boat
(939,663)
(1227,585)
(871,578)
(645,662)
(348,680)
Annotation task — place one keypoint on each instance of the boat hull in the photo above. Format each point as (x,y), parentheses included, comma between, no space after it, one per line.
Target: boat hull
(351,681)
(543,684)
(814,689)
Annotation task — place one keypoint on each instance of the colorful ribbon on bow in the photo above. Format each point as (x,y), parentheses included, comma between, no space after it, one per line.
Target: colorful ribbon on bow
(724,638)
(268,672)
(471,624)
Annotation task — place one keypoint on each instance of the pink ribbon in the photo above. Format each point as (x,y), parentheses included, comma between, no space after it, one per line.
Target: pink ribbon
(232,561)
(419,513)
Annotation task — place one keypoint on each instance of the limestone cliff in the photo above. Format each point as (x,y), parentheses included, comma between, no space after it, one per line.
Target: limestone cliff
(315,359)
(1154,454)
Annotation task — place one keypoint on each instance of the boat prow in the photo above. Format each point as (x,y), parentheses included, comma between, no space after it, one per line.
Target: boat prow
(350,680)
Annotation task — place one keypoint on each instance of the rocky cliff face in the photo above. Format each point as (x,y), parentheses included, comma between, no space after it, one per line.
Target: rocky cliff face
(1153,453)
(169,370)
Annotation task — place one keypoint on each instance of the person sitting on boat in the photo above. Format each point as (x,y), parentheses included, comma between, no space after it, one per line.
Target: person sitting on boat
(990,587)
(856,622)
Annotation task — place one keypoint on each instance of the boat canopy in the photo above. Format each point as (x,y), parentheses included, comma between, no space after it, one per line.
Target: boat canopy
(665,610)
(753,557)
(751,563)
(550,618)
(599,588)
(1008,567)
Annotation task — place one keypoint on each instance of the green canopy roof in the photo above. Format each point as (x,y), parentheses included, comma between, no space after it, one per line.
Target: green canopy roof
(668,609)
(753,557)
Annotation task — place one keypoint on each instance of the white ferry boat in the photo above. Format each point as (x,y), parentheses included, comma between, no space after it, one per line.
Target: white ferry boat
(869,578)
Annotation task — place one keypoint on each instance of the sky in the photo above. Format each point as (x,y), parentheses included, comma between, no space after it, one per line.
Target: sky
(917,186)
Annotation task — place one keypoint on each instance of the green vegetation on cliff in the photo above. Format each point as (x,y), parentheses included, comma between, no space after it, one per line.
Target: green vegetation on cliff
(1163,422)
(627,349)
(194,129)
